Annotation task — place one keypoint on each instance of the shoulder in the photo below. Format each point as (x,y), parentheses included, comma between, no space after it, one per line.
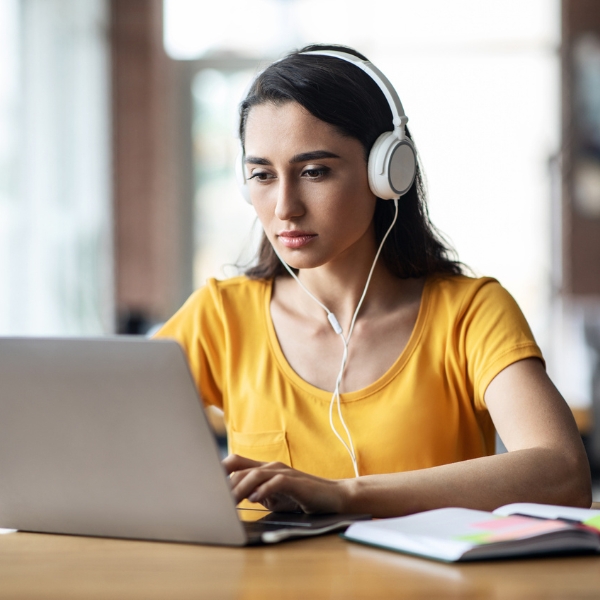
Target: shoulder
(454,287)
(479,310)
(461,293)
(476,305)
(217,300)
(238,285)
(235,292)
(216,306)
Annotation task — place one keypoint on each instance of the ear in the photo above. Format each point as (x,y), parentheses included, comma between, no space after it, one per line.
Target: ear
(240,175)
(392,166)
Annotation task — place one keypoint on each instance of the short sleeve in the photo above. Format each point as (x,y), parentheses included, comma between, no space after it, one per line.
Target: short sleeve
(198,327)
(495,335)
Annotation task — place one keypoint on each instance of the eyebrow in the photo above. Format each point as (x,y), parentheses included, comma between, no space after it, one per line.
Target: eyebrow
(303,157)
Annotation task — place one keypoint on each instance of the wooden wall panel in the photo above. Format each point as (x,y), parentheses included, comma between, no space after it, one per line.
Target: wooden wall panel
(149,216)
(580,234)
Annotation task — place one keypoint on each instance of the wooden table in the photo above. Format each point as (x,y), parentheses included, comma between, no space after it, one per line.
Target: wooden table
(62,567)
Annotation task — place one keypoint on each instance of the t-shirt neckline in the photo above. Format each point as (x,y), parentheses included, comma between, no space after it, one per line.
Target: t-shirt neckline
(372,388)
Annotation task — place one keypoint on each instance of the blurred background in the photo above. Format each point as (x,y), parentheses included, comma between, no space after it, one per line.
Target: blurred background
(118,136)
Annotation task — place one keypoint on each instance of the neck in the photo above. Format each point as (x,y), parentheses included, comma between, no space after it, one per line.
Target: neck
(340,284)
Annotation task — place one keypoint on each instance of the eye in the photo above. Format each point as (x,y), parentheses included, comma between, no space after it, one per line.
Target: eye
(261,176)
(315,173)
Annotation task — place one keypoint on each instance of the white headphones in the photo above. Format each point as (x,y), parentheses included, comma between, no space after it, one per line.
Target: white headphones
(392,159)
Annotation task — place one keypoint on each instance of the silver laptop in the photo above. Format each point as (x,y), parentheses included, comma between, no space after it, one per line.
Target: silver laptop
(107,437)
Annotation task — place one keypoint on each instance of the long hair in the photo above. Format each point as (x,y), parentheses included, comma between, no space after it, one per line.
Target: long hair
(337,92)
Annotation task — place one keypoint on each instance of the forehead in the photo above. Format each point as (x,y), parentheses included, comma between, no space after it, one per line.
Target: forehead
(272,127)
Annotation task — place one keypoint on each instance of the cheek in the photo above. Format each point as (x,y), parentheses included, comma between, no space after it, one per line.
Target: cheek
(356,190)
(265,213)
(355,204)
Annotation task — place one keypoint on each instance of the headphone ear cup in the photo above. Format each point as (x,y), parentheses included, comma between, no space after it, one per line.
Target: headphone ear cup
(392,166)
(240,177)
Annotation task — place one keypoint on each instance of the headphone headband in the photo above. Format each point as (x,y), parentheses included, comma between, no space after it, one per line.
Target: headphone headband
(399,117)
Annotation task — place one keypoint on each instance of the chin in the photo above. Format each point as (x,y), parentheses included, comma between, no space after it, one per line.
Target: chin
(302,265)
(297,259)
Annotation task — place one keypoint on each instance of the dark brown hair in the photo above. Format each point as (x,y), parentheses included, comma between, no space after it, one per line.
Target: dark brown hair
(339,93)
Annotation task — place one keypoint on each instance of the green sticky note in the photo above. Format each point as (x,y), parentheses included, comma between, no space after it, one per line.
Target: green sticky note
(593,522)
(475,538)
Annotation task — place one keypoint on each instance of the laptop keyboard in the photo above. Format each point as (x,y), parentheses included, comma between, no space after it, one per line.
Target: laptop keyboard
(254,527)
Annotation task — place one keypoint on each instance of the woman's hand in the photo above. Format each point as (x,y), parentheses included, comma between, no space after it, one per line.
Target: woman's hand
(281,488)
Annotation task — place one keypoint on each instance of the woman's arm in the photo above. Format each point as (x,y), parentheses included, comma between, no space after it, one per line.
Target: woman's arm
(545,463)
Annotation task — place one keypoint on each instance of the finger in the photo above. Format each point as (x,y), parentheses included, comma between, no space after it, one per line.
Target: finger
(273,487)
(311,495)
(281,503)
(235,462)
(278,495)
(244,483)
(237,476)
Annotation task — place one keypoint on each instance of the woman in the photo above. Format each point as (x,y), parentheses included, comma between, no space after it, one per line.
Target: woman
(436,363)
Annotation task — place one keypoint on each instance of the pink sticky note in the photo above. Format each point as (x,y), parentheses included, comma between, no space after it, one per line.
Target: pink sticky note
(502,523)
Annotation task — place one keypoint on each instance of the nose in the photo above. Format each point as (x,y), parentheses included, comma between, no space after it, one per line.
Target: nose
(289,204)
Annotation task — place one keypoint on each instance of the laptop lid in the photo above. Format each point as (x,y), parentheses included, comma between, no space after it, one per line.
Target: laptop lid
(108,437)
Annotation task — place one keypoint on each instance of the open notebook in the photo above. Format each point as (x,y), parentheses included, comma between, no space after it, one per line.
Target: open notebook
(107,437)
(460,534)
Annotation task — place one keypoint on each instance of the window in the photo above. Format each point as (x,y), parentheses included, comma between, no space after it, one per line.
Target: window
(55,241)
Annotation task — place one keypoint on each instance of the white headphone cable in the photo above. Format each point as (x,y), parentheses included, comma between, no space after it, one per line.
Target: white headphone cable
(335,398)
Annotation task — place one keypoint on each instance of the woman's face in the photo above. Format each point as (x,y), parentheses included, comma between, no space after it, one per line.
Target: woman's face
(309,186)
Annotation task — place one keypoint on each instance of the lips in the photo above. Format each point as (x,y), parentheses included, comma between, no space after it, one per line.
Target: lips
(296,239)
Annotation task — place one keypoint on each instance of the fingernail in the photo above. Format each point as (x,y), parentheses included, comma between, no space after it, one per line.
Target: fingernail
(253,497)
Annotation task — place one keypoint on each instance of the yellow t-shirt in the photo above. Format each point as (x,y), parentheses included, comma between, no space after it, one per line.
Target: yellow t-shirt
(427,410)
